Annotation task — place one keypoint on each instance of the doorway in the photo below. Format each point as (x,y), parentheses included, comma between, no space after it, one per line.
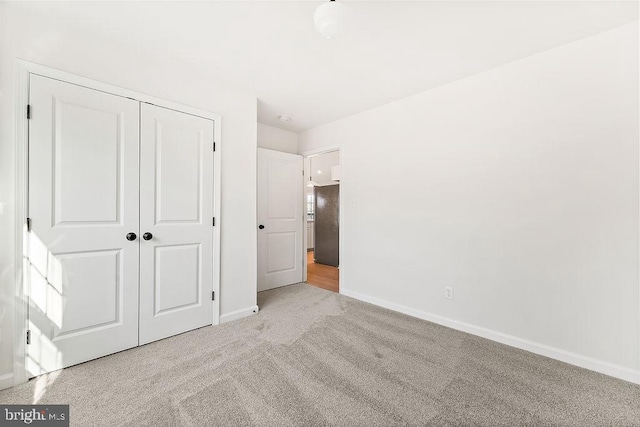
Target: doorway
(322,194)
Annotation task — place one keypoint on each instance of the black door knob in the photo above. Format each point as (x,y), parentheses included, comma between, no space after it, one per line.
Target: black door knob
(147,236)
(261,226)
(131,237)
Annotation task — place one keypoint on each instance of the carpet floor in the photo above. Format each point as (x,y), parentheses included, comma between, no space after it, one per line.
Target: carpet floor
(313,357)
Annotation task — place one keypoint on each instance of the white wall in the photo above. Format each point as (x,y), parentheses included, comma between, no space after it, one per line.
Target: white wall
(277,139)
(518,187)
(41,41)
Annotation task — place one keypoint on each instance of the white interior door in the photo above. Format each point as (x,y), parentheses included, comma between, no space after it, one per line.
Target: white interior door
(176,209)
(280,219)
(83,201)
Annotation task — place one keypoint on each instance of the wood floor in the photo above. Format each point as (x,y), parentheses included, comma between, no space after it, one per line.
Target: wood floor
(322,276)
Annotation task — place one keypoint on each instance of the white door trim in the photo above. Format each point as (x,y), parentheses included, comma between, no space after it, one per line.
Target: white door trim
(322,150)
(23,70)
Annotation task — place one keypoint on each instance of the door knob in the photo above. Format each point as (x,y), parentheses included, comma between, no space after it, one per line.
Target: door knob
(131,237)
(147,236)
(261,226)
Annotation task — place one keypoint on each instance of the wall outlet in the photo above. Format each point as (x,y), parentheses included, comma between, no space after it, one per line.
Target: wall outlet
(448,292)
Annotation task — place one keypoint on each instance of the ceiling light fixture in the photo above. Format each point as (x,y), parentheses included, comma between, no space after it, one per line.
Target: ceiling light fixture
(285,119)
(330,19)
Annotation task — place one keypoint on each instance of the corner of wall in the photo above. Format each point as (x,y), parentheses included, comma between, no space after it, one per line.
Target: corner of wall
(6,381)
(239,314)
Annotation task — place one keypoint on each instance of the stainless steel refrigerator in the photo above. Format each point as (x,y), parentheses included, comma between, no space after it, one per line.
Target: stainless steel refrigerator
(327,225)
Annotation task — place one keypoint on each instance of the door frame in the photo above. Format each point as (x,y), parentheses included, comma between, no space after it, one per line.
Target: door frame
(308,155)
(23,69)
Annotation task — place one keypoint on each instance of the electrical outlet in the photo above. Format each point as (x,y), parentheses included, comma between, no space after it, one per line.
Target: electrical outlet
(448,292)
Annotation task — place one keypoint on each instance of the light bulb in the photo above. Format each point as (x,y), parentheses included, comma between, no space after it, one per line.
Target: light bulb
(330,19)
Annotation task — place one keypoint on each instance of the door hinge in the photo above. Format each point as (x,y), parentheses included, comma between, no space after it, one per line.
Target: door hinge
(214,221)
(214,146)
(28,336)
(213,296)
(28,111)
(28,224)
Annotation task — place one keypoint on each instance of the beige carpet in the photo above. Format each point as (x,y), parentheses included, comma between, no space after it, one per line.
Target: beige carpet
(313,357)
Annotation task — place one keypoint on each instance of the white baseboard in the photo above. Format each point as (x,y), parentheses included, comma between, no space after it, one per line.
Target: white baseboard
(600,366)
(238,314)
(6,381)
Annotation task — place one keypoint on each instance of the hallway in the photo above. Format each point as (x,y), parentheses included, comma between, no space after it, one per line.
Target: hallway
(322,276)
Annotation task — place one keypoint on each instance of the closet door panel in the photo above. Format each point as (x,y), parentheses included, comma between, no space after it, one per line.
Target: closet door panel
(176,209)
(83,200)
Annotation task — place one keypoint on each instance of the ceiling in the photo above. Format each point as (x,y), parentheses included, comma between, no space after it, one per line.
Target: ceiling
(392,49)
(321,165)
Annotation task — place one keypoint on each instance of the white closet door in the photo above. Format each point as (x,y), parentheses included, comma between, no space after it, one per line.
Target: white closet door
(83,200)
(176,209)
(280,239)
